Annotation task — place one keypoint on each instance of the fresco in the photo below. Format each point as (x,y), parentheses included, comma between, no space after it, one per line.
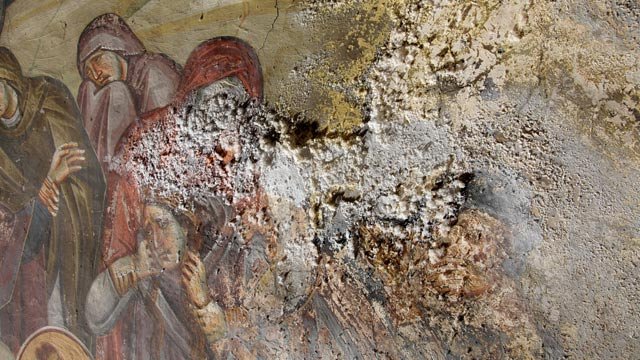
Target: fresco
(205,179)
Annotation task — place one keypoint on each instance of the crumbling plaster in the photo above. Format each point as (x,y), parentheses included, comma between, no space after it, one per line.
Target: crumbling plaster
(494,142)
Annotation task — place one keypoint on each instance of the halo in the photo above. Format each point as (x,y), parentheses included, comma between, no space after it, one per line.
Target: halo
(53,340)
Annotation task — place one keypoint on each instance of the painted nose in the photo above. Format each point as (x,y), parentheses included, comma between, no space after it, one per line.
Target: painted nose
(94,74)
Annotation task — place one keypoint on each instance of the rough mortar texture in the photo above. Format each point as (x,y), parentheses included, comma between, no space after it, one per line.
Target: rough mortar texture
(540,102)
(466,185)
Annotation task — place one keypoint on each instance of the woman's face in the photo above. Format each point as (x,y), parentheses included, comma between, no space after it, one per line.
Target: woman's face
(104,67)
(165,236)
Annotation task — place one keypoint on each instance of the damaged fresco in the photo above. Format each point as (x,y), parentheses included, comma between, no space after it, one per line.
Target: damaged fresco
(393,179)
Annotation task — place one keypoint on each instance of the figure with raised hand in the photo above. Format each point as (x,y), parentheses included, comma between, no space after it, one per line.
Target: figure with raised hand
(51,204)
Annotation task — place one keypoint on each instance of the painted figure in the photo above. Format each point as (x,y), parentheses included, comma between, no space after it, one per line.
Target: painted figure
(160,288)
(121,81)
(214,61)
(51,199)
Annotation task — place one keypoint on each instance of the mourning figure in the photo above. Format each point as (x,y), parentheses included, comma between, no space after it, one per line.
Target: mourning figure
(51,200)
(227,63)
(161,288)
(121,81)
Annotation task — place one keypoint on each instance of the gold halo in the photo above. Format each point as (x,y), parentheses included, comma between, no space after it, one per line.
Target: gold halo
(53,341)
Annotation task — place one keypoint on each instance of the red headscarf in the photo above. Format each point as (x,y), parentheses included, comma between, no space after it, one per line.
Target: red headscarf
(218,58)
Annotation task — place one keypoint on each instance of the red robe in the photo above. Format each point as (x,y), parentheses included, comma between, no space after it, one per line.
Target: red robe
(211,61)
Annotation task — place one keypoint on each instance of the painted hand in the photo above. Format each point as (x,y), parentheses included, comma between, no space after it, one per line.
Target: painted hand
(194,279)
(49,196)
(67,160)
(144,262)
